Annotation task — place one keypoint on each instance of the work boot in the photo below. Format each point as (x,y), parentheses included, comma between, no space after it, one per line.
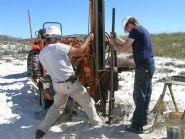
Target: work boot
(131,128)
(39,134)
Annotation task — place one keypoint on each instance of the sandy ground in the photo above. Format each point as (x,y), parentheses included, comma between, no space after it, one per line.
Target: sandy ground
(19,100)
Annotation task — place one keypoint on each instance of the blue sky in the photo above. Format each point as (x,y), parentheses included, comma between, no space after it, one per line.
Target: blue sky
(158,16)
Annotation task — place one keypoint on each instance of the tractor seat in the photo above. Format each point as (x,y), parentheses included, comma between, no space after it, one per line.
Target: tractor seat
(42,33)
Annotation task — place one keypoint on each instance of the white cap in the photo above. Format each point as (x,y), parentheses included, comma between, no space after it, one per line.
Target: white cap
(124,22)
(53,31)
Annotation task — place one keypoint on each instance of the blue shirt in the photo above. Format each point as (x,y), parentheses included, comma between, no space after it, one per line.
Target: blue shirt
(142,45)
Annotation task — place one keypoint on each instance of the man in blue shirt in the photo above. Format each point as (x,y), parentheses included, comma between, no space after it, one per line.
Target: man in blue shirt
(140,41)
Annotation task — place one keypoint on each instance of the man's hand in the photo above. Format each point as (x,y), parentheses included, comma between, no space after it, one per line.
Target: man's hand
(112,39)
(90,37)
(112,42)
(113,35)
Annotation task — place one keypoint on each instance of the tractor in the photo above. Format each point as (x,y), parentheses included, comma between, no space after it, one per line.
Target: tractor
(97,70)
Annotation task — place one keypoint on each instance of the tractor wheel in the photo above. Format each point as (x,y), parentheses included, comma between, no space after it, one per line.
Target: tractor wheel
(29,63)
(33,65)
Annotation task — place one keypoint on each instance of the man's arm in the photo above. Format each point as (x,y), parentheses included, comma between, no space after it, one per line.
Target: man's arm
(79,51)
(119,43)
(123,45)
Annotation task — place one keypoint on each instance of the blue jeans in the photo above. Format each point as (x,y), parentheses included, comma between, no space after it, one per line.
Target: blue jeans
(142,92)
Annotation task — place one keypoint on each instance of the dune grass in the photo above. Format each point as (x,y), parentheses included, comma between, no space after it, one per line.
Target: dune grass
(169,45)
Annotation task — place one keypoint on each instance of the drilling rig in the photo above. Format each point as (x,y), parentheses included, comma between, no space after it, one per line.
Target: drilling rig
(97,70)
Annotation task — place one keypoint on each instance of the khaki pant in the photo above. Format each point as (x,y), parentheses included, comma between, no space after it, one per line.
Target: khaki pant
(79,94)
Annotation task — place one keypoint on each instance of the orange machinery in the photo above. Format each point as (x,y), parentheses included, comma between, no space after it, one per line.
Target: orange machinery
(95,70)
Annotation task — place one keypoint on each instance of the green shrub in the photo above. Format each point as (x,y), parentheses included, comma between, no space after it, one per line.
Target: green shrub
(170,45)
